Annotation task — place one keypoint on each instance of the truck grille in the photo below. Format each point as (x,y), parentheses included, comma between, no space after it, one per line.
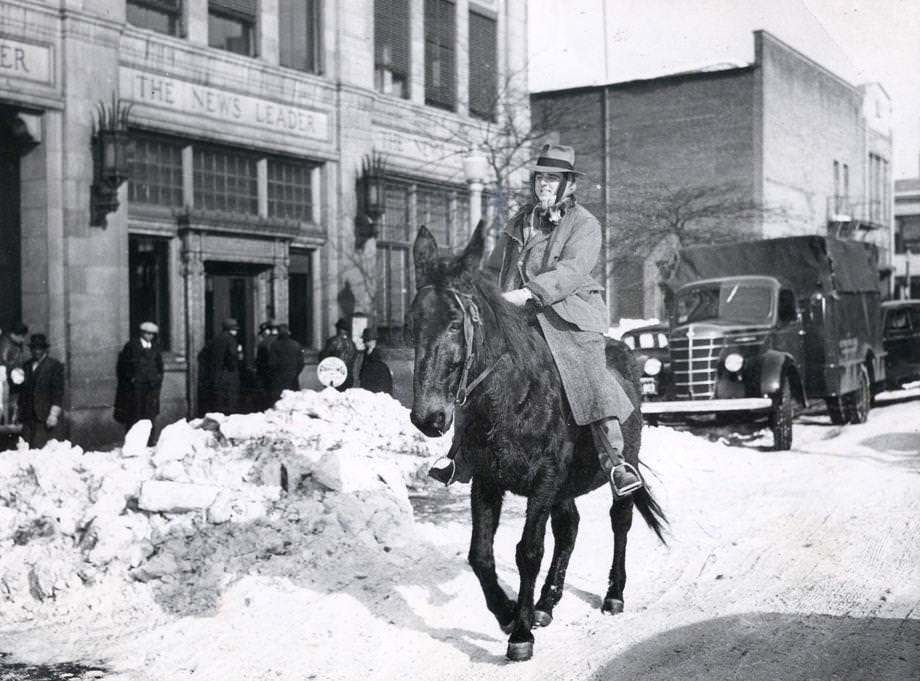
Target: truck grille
(694,362)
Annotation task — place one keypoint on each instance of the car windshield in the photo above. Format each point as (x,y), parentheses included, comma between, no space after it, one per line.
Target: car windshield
(735,301)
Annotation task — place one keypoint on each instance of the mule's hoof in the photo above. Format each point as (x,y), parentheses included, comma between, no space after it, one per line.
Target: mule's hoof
(541,618)
(519,652)
(507,628)
(612,606)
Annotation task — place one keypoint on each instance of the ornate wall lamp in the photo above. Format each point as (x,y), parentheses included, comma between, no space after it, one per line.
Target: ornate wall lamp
(112,151)
(371,186)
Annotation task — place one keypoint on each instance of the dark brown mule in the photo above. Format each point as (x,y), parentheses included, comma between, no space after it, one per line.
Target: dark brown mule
(473,349)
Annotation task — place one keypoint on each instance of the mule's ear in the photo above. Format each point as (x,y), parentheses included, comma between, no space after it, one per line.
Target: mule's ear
(424,254)
(472,254)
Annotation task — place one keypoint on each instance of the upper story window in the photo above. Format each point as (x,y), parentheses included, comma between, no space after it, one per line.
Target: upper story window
(299,34)
(162,16)
(290,194)
(483,57)
(232,26)
(156,171)
(391,47)
(440,41)
(226,180)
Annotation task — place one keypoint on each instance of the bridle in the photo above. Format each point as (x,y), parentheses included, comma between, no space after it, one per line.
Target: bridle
(471,320)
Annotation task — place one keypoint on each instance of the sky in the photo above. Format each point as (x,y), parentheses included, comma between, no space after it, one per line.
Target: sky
(859,40)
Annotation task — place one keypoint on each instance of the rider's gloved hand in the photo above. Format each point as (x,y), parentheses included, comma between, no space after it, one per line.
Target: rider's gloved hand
(518,296)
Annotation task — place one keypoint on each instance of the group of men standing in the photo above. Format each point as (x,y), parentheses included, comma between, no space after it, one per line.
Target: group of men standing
(33,385)
(366,368)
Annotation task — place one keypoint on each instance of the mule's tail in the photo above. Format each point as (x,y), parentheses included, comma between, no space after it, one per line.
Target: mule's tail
(651,512)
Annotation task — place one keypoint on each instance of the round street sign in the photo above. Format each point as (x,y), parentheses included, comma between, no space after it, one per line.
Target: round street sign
(332,372)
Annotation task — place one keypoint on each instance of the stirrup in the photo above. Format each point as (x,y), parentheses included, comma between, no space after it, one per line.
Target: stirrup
(443,470)
(629,488)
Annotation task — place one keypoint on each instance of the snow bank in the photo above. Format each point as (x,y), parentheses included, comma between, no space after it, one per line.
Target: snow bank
(319,474)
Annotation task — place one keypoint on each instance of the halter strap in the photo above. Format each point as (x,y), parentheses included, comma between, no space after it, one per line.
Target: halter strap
(471,319)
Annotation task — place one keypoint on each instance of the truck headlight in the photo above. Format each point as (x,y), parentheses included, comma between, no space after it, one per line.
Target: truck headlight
(734,362)
(652,366)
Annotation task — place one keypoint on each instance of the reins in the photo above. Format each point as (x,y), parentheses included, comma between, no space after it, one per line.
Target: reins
(471,320)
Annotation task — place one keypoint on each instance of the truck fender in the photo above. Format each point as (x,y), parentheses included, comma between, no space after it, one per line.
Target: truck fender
(773,365)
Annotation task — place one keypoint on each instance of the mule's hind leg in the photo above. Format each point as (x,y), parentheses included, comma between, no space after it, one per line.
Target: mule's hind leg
(486,506)
(564,522)
(621,514)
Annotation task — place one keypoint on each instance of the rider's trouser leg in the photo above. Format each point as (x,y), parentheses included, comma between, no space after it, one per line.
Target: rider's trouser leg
(608,439)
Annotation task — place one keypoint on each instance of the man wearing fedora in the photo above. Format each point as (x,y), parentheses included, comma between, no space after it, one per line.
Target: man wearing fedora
(543,261)
(42,398)
(223,367)
(140,377)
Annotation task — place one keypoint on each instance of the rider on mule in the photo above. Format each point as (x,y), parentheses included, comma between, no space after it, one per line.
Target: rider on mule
(544,261)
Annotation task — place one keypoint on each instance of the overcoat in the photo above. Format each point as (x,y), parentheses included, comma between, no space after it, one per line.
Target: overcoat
(140,377)
(285,361)
(555,263)
(43,389)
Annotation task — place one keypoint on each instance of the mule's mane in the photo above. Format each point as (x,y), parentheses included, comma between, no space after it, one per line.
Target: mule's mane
(505,327)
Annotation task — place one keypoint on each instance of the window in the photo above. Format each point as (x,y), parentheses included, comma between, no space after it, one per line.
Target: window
(290,194)
(440,38)
(231,25)
(391,47)
(433,211)
(483,56)
(226,180)
(299,24)
(156,172)
(156,15)
(148,286)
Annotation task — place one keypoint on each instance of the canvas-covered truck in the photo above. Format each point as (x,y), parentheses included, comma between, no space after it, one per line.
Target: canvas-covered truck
(761,328)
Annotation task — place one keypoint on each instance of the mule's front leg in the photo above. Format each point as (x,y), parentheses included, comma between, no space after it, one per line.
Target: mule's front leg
(529,555)
(486,506)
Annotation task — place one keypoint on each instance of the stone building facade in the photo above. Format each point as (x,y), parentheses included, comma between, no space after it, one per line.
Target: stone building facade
(783,132)
(250,123)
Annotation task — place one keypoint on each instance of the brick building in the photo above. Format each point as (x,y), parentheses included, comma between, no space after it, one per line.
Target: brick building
(783,132)
(252,125)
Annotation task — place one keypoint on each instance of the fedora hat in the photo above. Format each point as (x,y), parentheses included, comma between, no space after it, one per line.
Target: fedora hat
(39,340)
(230,323)
(555,158)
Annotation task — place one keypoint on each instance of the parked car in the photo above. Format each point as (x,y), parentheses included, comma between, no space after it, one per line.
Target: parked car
(650,346)
(901,336)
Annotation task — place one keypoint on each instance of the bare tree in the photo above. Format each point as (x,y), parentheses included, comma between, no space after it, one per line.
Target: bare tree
(647,216)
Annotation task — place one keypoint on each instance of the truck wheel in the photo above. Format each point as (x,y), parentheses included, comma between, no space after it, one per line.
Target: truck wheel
(835,411)
(857,403)
(781,417)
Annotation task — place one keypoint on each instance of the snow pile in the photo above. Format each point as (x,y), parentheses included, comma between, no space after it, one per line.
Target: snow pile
(283,492)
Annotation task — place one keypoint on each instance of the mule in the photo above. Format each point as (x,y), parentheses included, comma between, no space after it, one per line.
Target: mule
(477,353)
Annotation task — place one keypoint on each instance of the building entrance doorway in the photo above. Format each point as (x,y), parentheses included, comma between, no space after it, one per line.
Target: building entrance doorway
(231,290)
(10,226)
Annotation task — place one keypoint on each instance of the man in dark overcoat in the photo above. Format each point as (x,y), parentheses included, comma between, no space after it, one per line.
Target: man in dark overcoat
(342,346)
(223,368)
(373,373)
(544,261)
(268,333)
(285,361)
(140,378)
(42,398)
(13,355)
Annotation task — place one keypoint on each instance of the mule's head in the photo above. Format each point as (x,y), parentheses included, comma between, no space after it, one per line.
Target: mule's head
(435,328)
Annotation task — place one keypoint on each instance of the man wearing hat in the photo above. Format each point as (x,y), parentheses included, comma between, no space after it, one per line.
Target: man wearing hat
(285,361)
(543,261)
(42,397)
(342,345)
(140,377)
(373,373)
(223,367)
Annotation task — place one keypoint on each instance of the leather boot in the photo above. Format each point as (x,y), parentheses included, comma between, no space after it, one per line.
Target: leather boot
(608,438)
